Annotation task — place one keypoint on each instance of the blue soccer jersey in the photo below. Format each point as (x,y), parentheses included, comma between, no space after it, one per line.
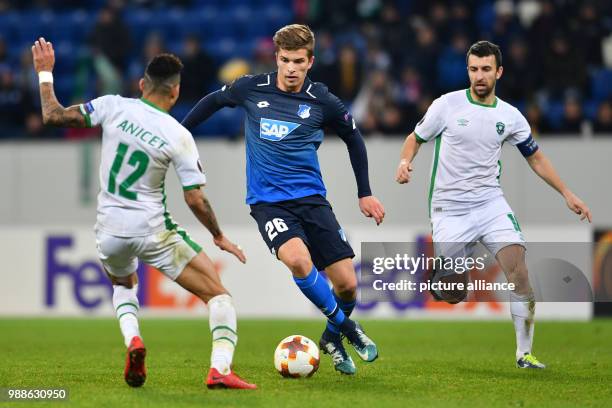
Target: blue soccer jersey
(283,132)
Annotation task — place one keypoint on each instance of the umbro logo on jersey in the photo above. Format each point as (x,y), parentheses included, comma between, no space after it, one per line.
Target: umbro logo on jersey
(463,122)
(275,130)
(500,128)
(263,104)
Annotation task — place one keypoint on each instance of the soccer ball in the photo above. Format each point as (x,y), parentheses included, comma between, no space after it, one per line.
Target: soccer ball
(296,356)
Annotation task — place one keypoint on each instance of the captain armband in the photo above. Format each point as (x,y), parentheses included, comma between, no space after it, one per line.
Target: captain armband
(528,146)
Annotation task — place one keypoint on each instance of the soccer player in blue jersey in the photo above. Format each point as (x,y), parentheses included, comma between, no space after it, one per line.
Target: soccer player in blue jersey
(286,115)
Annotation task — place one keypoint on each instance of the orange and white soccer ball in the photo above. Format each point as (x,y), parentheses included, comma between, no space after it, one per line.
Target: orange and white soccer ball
(296,356)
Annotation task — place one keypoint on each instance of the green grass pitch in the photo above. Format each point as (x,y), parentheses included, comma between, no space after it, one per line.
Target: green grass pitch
(422,363)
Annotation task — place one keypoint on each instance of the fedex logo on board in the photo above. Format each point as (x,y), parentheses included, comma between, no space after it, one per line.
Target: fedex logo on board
(90,288)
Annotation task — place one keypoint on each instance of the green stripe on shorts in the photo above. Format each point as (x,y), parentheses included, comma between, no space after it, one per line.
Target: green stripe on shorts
(188,240)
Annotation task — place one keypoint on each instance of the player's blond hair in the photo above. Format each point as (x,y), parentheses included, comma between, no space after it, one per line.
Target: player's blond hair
(294,37)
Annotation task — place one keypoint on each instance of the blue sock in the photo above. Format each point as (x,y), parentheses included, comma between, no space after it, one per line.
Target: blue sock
(316,289)
(346,306)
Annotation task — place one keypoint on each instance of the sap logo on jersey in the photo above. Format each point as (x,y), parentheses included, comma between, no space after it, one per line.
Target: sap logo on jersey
(275,130)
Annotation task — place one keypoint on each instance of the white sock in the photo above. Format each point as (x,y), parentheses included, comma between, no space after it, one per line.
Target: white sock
(522,308)
(222,320)
(126,305)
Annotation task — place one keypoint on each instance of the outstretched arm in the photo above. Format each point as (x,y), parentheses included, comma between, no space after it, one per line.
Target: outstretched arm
(230,95)
(205,108)
(542,166)
(409,151)
(53,112)
(201,208)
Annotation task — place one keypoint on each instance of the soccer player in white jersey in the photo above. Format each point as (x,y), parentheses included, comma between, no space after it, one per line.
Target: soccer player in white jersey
(466,203)
(139,142)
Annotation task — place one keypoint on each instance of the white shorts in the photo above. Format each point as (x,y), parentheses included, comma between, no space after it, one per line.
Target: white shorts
(167,251)
(492,223)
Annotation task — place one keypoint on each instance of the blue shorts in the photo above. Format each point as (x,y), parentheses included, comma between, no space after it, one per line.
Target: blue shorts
(309,218)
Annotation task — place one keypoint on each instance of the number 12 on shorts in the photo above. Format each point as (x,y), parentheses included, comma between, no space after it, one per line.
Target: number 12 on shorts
(274,227)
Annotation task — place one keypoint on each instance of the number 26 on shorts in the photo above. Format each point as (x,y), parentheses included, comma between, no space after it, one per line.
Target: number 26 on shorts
(274,227)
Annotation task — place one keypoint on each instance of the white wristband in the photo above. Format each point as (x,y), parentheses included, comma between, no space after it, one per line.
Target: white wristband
(44,77)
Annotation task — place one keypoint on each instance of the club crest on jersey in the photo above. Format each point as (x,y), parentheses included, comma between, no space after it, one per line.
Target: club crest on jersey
(500,128)
(275,130)
(303,111)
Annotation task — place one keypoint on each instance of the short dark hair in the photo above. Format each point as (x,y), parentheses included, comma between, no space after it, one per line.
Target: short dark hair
(163,72)
(483,49)
(294,37)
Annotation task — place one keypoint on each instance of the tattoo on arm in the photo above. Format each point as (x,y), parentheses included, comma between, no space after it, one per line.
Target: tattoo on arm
(55,114)
(209,219)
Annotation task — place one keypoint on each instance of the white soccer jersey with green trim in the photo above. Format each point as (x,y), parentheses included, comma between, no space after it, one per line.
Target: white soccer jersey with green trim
(468,140)
(139,141)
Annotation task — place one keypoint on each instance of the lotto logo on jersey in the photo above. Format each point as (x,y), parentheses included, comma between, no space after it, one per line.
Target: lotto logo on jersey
(275,130)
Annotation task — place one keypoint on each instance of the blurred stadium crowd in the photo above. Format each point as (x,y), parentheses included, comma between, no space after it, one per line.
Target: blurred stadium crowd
(387,59)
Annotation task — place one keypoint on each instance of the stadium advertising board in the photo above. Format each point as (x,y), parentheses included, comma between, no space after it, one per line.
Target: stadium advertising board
(58,274)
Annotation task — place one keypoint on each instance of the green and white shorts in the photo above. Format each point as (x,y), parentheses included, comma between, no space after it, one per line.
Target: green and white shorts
(492,223)
(168,251)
